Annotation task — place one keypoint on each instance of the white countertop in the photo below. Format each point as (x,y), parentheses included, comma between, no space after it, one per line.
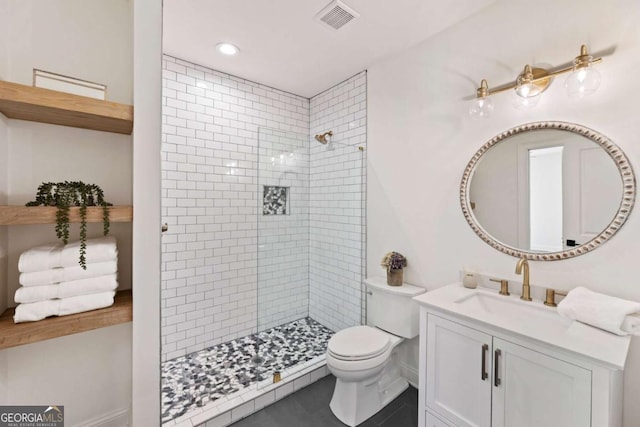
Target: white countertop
(531,320)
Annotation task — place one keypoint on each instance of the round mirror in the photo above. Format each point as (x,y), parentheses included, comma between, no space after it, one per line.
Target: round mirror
(547,190)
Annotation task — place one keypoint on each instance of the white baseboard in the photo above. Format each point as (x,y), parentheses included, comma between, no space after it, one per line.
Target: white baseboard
(117,418)
(410,373)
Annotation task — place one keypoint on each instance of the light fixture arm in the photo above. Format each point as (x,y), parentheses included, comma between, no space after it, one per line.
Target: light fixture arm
(581,61)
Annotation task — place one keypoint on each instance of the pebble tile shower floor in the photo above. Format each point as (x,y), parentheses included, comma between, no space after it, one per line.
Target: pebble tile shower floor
(199,378)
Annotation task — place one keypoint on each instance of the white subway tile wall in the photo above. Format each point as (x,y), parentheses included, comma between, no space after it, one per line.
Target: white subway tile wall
(337,199)
(211,122)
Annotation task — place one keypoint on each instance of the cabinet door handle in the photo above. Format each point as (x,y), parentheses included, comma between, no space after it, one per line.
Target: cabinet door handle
(484,374)
(496,375)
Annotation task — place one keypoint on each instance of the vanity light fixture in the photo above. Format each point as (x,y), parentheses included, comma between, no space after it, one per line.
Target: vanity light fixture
(529,85)
(227,49)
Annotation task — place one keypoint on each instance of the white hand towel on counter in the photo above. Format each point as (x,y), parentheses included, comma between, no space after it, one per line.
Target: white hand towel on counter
(602,311)
(51,256)
(62,307)
(631,324)
(74,288)
(68,274)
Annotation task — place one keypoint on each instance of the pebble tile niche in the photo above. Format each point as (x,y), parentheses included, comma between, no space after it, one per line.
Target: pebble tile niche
(275,200)
(194,380)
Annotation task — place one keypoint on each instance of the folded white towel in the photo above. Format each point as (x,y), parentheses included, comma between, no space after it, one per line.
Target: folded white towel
(51,256)
(67,274)
(74,288)
(62,307)
(602,311)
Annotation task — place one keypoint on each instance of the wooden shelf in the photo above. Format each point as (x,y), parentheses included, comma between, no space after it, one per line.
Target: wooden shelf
(15,334)
(25,215)
(49,106)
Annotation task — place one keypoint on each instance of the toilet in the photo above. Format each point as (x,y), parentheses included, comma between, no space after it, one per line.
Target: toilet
(364,359)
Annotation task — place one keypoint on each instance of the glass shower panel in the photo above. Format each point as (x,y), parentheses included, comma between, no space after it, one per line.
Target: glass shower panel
(283,243)
(310,234)
(283,227)
(337,238)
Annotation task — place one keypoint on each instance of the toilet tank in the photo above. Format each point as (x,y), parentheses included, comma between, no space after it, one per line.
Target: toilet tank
(392,308)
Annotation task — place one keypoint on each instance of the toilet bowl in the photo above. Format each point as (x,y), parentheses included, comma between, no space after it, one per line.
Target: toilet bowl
(368,380)
(364,359)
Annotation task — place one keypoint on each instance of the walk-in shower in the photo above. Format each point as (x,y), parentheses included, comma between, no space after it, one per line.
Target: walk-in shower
(263,258)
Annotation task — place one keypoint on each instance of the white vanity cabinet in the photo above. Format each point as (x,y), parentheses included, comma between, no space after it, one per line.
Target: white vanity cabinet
(480,372)
(475,379)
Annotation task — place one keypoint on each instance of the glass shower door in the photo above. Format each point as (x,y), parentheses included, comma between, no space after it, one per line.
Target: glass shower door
(283,245)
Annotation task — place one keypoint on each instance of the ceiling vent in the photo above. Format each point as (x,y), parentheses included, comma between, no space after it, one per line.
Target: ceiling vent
(336,14)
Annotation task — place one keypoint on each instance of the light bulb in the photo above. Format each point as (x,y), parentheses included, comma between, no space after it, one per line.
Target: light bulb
(481,108)
(582,81)
(525,103)
(525,85)
(528,90)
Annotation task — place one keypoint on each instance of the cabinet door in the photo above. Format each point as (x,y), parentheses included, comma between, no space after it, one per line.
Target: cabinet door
(433,421)
(531,389)
(458,383)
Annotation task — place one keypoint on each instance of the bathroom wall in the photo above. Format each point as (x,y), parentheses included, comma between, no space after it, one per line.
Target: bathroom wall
(88,373)
(90,40)
(4,146)
(4,244)
(337,195)
(421,138)
(147,136)
(211,124)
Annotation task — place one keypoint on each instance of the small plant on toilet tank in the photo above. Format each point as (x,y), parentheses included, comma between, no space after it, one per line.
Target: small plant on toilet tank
(394,262)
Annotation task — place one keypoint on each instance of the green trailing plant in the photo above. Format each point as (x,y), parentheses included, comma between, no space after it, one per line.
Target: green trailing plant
(64,195)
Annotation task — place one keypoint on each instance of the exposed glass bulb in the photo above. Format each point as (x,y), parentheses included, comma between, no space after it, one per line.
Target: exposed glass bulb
(525,103)
(481,108)
(583,81)
(528,90)
(525,85)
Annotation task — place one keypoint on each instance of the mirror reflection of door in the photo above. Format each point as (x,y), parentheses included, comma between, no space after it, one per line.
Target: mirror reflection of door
(545,199)
(568,192)
(592,192)
(545,191)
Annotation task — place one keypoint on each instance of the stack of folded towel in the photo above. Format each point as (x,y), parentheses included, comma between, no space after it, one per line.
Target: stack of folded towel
(54,284)
(612,314)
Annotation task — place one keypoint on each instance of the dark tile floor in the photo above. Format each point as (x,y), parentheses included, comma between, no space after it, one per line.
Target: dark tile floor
(309,407)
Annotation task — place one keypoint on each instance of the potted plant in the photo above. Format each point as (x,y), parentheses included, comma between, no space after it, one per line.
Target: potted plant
(394,262)
(65,194)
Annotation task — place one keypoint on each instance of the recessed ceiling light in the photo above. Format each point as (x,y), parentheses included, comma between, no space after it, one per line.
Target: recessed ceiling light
(227,49)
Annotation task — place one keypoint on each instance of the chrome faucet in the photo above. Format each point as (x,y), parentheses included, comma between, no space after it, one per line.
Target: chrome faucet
(526,289)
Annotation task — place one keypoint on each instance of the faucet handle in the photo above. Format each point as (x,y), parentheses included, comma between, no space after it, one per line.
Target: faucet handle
(550,300)
(504,286)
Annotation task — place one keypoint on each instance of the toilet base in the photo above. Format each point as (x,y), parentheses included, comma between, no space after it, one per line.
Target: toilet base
(354,402)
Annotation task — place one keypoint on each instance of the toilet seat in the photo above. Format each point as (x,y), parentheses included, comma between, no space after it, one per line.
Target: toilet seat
(358,343)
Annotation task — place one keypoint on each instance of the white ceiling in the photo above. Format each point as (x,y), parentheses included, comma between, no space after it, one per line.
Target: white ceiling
(281,45)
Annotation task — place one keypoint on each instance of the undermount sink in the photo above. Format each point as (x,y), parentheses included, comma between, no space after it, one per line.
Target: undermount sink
(511,309)
(503,305)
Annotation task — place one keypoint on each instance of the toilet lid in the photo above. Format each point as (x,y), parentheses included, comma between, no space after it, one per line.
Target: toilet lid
(358,342)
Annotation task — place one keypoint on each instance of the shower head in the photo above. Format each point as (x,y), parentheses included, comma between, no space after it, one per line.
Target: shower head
(322,138)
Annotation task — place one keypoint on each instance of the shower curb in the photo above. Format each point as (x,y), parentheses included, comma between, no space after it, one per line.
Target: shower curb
(245,402)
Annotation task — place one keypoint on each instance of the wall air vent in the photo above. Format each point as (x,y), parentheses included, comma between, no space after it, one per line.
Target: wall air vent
(336,14)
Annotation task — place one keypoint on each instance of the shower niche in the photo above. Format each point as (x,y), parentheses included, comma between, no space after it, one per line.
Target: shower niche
(275,200)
